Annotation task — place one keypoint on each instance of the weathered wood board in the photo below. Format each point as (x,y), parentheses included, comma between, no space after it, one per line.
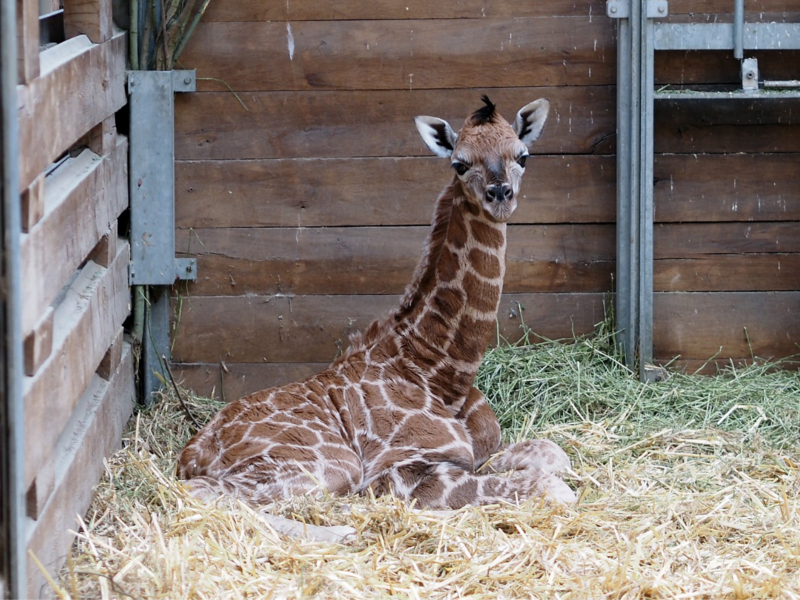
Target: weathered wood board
(314,328)
(80,80)
(341,124)
(83,199)
(92,433)
(86,322)
(377,191)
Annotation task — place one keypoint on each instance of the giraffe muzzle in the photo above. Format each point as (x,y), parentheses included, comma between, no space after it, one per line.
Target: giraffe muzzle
(499,193)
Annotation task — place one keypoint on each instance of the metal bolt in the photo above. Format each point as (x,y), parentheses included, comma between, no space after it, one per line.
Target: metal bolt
(613,10)
(661,9)
(750,75)
(187,80)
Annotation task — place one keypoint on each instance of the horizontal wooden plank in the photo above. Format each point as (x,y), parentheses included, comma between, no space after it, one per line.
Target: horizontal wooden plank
(215,126)
(358,260)
(729,187)
(348,10)
(688,240)
(376,191)
(403,55)
(728,272)
(716,67)
(235,380)
(689,126)
(86,323)
(733,324)
(93,433)
(83,199)
(311,10)
(301,329)
(90,17)
(80,85)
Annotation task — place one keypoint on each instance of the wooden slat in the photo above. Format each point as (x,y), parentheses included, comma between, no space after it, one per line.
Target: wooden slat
(86,322)
(93,433)
(719,127)
(717,67)
(90,17)
(358,260)
(313,328)
(728,272)
(27,43)
(81,84)
(83,199)
(730,187)
(113,356)
(685,240)
(39,343)
(348,10)
(735,324)
(376,191)
(32,204)
(238,379)
(213,126)
(404,55)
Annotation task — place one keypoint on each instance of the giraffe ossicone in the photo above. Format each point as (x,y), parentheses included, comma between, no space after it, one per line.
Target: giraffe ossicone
(397,412)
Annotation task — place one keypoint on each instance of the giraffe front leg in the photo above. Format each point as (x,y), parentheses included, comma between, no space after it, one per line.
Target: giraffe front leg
(482,425)
(445,485)
(531,456)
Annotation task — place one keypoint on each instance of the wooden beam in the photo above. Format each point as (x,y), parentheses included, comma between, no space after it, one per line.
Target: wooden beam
(357,260)
(102,138)
(27,42)
(345,124)
(80,80)
(105,250)
(92,434)
(86,323)
(112,358)
(32,208)
(83,199)
(405,54)
(39,343)
(309,329)
(309,192)
(90,17)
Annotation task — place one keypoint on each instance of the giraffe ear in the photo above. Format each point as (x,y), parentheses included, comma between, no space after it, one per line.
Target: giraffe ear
(530,121)
(437,134)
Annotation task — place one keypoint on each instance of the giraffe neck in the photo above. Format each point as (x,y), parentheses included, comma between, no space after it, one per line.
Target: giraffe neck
(450,310)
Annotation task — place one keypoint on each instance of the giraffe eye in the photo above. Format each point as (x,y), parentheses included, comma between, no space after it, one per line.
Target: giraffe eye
(521,160)
(460,168)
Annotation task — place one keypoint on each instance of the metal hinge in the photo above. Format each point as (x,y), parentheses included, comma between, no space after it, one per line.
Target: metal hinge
(621,9)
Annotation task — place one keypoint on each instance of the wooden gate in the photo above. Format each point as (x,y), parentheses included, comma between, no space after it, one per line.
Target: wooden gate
(78,389)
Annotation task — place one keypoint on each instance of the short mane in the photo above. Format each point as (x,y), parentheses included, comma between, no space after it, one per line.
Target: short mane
(485,114)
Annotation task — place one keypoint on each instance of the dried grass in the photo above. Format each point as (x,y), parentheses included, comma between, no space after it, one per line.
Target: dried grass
(688,489)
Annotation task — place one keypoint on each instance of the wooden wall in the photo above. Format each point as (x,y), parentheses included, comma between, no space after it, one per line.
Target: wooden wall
(727,206)
(78,389)
(304,191)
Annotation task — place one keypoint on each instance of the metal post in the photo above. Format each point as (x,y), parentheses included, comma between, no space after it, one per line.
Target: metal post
(738,29)
(12,485)
(645,198)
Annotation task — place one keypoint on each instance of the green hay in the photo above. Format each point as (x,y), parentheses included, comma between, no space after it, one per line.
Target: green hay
(533,386)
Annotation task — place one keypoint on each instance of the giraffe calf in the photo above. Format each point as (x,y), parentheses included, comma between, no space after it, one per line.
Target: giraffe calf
(397,412)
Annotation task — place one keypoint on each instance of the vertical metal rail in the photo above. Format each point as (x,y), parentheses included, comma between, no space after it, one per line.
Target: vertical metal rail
(738,29)
(12,485)
(635,89)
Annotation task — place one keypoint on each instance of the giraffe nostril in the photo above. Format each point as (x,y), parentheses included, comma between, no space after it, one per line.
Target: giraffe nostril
(499,193)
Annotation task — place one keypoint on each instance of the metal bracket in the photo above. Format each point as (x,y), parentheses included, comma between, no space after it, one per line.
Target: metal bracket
(750,75)
(621,9)
(152,177)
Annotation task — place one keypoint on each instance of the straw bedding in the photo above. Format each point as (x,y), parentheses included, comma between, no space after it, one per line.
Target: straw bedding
(688,489)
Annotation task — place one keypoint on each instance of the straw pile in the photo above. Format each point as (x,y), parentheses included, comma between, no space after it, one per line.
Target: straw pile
(688,489)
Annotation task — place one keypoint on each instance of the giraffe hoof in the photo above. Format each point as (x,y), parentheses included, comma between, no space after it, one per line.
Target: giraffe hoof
(557,490)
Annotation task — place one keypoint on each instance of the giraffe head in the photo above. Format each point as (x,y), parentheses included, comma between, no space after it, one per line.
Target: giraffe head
(488,154)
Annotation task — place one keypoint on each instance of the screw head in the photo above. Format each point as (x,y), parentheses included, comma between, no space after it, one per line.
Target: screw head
(187,80)
(750,75)
(661,9)
(613,10)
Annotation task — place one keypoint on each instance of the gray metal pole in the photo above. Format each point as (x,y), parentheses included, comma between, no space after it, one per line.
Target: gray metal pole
(738,29)
(645,197)
(12,440)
